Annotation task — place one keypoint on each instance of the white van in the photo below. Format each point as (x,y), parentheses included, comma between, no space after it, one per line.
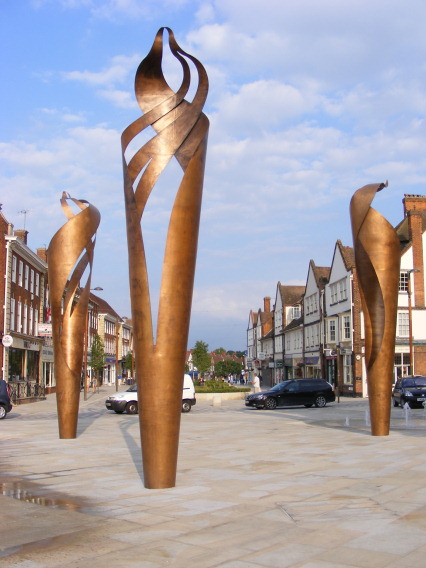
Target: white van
(128,401)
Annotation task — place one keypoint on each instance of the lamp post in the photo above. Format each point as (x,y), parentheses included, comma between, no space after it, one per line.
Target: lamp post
(410,319)
(86,345)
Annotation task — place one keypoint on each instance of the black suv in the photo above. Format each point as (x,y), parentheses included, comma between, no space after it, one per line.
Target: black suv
(410,390)
(297,391)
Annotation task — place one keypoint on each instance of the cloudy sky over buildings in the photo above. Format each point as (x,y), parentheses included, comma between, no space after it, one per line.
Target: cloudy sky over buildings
(309,100)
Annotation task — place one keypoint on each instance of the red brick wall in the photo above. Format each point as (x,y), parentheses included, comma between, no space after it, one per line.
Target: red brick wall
(420,359)
(3,232)
(414,206)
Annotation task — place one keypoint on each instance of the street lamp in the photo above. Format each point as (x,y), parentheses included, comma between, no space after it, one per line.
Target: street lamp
(410,318)
(86,345)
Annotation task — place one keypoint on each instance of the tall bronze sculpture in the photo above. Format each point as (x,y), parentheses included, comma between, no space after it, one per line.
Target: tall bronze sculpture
(377,260)
(180,131)
(70,255)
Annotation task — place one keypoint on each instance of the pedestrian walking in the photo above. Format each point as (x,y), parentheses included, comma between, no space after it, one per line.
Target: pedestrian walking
(255,383)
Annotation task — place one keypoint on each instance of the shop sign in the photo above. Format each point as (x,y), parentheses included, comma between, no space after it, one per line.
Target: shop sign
(311,360)
(31,346)
(45,330)
(47,353)
(279,364)
(7,340)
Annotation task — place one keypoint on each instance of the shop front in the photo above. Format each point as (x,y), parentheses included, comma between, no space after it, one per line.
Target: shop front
(312,367)
(24,369)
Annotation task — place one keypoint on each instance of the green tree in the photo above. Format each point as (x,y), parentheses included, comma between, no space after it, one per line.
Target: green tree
(97,357)
(219,350)
(227,367)
(201,357)
(128,362)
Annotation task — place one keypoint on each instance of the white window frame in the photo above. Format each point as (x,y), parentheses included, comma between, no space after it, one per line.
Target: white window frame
(404,278)
(12,314)
(14,263)
(20,272)
(333,293)
(403,329)
(25,320)
(19,317)
(347,369)
(346,328)
(331,331)
(343,292)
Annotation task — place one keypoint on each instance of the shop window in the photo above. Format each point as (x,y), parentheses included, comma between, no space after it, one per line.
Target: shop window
(16,362)
(402,365)
(32,365)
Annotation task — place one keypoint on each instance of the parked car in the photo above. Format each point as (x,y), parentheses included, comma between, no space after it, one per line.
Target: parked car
(5,404)
(127,401)
(297,391)
(410,390)
(4,409)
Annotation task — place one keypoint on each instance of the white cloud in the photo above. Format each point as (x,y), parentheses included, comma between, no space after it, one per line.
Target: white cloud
(117,72)
(262,105)
(121,99)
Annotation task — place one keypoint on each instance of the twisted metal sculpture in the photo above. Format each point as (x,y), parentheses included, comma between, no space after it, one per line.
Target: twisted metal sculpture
(181,131)
(377,260)
(70,252)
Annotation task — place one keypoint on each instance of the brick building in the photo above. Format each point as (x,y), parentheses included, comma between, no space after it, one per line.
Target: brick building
(411,324)
(328,338)
(23,290)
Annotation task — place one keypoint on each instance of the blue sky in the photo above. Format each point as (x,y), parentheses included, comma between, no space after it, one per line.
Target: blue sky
(309,100)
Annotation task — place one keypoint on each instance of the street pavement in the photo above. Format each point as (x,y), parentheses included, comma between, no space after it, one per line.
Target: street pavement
(292,487)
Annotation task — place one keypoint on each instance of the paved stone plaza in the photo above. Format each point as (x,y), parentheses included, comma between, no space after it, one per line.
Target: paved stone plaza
(291,487)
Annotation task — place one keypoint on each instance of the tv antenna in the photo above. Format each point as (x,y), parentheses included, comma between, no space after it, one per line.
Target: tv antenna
(24,212)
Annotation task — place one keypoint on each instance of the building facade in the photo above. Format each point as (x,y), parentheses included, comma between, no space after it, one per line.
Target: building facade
(25,362)
(327,339)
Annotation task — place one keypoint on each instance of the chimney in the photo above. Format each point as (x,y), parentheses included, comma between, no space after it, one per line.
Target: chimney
(415,209)
(21,234)
(267,304)
(42,253)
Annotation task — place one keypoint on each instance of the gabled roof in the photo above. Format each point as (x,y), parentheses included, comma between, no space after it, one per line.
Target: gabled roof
(294,323)
(403,232)
(290,294)
(321,274)
(265,317)
(104,307)
(348,255)
(252,319)
(268,335)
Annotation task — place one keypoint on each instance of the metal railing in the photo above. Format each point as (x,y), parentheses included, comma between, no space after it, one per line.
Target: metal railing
(25,389)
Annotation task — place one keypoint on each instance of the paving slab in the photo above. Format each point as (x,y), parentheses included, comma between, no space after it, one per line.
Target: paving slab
(292,487)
